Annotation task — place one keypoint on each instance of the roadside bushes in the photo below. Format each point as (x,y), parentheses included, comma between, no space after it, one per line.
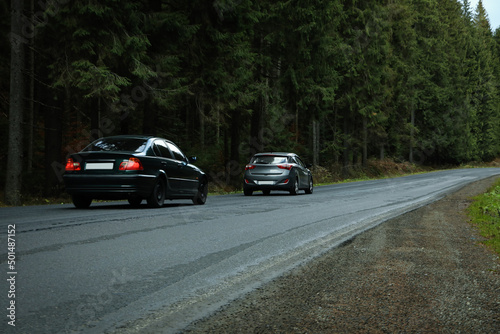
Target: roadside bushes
(484,213)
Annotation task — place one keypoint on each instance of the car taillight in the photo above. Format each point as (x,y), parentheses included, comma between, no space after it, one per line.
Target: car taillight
(247,167)
(285,166)
(131,164)
(72,165)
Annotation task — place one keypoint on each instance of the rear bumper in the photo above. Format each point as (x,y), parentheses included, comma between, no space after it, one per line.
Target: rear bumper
(255,185)
(109,186)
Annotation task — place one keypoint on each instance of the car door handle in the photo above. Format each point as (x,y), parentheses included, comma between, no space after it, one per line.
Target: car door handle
(164,164)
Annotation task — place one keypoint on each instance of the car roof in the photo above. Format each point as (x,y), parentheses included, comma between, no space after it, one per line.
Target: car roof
(145,137)
(129,136)
(276,153)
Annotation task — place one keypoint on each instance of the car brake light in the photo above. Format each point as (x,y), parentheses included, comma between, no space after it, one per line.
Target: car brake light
(247,167)
(131,164)
(72,165)
(285,166)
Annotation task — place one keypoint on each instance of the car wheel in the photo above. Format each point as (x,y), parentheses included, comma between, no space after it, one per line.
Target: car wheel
(310,189)
(157,197)
(201,196)
(295,187)
(81,202)
(266,192)
(135,201)
(248,192)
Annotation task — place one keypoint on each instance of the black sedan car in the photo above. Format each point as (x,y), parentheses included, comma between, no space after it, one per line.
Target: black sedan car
(133,168)
(277,171)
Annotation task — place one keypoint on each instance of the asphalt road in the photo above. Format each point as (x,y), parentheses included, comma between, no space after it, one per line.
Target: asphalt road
(113,268)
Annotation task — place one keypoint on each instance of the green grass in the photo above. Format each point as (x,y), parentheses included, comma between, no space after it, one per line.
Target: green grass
(484,213)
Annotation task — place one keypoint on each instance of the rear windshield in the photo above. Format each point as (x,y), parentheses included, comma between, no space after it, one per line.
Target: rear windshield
(269,160)
(117,144)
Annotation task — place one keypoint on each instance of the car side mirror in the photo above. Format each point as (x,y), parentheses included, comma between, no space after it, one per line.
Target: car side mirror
(192,159)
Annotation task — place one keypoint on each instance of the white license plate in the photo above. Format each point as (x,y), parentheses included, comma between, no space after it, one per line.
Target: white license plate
(99,166)
(266,183)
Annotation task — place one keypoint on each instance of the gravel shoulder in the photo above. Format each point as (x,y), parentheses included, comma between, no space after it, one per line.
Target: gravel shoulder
(422,272)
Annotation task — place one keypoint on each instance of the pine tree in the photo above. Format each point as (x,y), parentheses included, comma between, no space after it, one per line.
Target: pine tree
(13,182)
(310,56)
(485,93)
(404,75)
(364,92)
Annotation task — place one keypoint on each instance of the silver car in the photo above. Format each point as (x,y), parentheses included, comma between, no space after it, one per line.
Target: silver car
(277,171)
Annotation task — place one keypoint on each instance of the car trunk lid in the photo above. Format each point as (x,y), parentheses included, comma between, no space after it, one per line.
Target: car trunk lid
(100,162)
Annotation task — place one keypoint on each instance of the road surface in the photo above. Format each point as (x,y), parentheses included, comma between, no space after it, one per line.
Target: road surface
(113,268)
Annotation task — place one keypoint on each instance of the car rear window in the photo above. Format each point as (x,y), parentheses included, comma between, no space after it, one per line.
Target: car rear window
(117,144)
(269,160)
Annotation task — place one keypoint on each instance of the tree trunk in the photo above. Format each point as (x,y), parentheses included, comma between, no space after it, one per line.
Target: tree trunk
(149,119)
(53,150)
(17,88)
(217,124)
(297,133)
(31,91)
(260,110)
(346,149)
(256,127)
(95,119)
(233,165)
(334,132)
(124,123)
(200,107)
(364,159)
(412,133)
(315,139)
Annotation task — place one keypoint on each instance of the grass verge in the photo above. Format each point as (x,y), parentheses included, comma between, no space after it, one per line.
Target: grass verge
(484,213)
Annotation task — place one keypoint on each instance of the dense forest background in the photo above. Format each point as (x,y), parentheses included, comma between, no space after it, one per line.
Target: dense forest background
(337,81)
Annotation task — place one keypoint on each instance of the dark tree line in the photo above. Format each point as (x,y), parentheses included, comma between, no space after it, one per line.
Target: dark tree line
(338,81)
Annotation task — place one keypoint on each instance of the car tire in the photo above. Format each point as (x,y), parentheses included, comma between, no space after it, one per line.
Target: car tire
(157,197)
(81,202)
(295,187)
(248,192)
(309,190)
(201,196)
(135,201)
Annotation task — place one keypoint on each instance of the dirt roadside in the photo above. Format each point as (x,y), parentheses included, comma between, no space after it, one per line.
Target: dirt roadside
(422,272)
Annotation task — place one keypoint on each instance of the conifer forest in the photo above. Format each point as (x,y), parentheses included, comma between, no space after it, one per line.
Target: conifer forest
(335,81)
